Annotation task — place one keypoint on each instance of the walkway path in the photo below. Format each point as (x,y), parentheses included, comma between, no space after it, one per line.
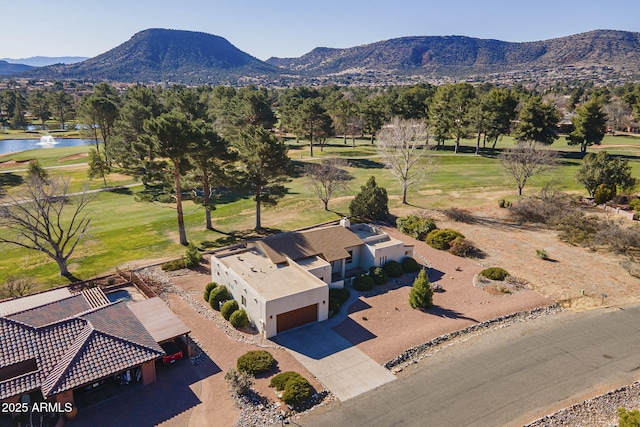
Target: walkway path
(507,378)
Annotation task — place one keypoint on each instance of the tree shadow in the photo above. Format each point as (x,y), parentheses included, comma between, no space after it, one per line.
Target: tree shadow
(125,191)
(365,164)
(10,179)
(436,310)
(233,237)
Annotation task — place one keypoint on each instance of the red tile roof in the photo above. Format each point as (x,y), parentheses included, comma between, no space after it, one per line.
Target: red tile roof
(72,344)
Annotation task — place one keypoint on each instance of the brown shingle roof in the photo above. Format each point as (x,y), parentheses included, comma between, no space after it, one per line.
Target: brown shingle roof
(329,242)
(53,311)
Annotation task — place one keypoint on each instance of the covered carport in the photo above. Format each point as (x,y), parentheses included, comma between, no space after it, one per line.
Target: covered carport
(162,323)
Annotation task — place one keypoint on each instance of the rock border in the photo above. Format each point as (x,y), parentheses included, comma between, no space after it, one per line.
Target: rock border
(419,352)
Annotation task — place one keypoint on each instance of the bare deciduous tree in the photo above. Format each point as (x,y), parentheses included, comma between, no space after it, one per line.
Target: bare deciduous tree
(48,220)
(525,160)
(327,178)
(404,147)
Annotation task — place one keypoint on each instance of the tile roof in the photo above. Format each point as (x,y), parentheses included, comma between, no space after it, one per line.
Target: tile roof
(72,343)
(53,311)
(328,242)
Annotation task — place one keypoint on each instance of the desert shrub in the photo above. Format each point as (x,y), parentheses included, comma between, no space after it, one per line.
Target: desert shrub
(393,269)
(577,228)
(421,295)
(378,275)
(635,205)
(494,273)
(461,247)
(207,290)
(281,380)
(228,308)
(192,256)
(415,226)
(441,239)
(504,203)
(410,265)
(548,207)
(219,293)
(239,319)
(337,297)
(619,238)
(239,382)
(603,194)
(542,254)
(459,215)
(255,362)
(628,418)
(176,264)
(17,286)
(363,282)
(296,391)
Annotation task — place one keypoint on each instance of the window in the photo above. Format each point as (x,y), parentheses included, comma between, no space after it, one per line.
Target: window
(383,260)
(243,300)
(349,259)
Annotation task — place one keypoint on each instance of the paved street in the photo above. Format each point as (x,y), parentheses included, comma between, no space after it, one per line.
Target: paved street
(504,378)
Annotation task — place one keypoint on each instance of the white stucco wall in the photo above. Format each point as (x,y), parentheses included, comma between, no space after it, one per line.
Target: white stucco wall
(318,296)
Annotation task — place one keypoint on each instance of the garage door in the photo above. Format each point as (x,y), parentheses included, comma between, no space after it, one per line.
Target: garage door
(299,317)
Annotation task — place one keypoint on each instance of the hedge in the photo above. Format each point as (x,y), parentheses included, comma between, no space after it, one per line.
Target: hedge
(410,265)
(228,308)
(495,273)
(363,282)
(219,293)
(440,239)
(378,275)
(255,362)
(393,269)
(207,290)
(239,319)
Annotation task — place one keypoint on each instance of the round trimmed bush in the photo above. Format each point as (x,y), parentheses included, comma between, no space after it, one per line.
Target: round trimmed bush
(219,293)
(378,275)
(363,282)
(495,273)
(461,247)
(410,265)
(239,319)
(281,380)
(255,362)
(297,391)
(440,239)
(207,290)
(603,194)
(228,308)
(415,226)
(393,269)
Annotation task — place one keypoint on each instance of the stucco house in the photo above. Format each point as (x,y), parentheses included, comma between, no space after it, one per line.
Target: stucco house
(283,281)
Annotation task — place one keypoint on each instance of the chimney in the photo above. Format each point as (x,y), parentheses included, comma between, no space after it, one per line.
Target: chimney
(344,222)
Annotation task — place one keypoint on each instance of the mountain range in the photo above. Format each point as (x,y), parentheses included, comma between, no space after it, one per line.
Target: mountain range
(161,55)
(41,61)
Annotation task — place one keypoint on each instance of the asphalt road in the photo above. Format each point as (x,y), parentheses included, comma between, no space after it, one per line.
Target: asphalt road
(504,378)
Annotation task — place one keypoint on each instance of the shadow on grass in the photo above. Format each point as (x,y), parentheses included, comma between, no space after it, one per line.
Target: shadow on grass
(10,179)
(238,236)
(125,191)
(365,164)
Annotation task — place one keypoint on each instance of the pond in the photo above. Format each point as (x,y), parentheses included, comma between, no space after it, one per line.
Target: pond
(14,145)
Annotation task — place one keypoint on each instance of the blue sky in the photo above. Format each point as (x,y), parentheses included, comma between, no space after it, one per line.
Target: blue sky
(288,28)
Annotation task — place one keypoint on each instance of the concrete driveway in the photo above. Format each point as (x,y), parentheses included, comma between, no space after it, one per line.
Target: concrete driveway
(339,365)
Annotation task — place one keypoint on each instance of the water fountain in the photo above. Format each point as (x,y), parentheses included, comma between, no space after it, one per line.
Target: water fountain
(47,141)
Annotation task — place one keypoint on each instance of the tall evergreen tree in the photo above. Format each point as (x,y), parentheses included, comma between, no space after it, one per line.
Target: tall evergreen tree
(264,167)
(371,202)
(538,121)
(589,125)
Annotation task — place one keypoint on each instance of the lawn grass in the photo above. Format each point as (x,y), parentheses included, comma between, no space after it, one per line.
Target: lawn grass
(129,233)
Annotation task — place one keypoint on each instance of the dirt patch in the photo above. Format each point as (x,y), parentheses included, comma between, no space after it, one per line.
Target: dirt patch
(73,157)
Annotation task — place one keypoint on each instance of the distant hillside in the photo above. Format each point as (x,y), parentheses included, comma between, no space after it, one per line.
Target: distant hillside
(7,68)
(458,55)
(159,55)
(41,61)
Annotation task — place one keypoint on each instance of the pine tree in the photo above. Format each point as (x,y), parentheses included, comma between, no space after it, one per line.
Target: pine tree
(421,295)
(371,202)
